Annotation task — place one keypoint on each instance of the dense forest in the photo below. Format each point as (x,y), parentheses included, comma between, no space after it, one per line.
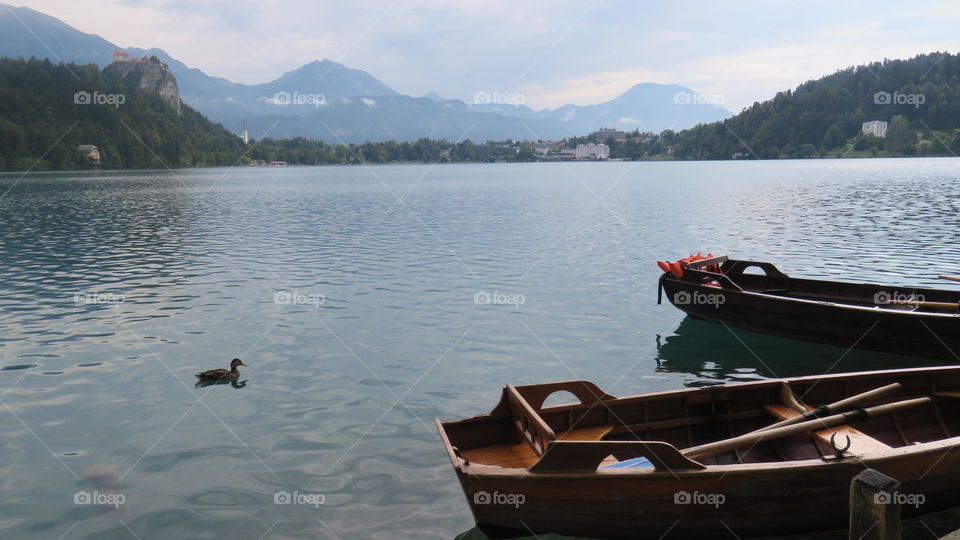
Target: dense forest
(303,151)
(45,116)
(920,97)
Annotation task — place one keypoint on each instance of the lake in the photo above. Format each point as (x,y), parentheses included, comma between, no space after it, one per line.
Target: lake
(369,300)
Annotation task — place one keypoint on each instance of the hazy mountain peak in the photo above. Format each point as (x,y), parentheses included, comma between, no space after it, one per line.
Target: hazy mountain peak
(325,63)
(332,79)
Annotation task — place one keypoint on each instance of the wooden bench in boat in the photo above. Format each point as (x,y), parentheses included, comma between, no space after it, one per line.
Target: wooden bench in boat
(860,442)
(521,455)
(535,435)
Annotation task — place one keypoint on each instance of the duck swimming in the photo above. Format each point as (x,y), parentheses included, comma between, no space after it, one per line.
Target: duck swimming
(222,374)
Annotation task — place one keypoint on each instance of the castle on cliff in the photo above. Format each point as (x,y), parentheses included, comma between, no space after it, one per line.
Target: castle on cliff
(121,56)
(149,75)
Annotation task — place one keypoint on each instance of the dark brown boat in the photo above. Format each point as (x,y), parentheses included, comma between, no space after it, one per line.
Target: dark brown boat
(904,320)
(741,460)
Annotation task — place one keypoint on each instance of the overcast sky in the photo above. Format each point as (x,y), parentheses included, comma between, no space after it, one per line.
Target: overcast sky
(550,52)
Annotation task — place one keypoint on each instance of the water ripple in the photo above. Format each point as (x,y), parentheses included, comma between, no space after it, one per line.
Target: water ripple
(363,318)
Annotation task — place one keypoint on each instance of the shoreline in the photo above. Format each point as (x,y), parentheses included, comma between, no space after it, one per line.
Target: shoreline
(435,163)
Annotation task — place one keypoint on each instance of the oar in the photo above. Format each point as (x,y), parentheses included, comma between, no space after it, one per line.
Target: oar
(835,407)
(710,449)
(951,278)
(931,305)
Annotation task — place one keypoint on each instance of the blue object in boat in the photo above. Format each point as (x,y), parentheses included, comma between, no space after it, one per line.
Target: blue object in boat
(634,463)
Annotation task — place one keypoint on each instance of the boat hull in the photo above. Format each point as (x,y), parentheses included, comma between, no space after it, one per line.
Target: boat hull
(916,334)
(741,500)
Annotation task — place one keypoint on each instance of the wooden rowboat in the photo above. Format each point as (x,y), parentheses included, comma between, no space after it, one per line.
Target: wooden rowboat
(739,460)
(904,320)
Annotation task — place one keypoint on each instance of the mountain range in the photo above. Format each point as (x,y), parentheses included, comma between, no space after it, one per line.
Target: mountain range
(328,101)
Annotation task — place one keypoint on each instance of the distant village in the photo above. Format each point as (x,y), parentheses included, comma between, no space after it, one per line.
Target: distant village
(594,147)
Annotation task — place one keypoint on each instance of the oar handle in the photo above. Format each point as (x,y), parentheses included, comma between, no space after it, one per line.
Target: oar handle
(951,278)
(836,407)
(879,392)
(706,450)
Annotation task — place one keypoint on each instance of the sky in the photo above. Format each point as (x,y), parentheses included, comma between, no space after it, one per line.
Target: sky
(546,53)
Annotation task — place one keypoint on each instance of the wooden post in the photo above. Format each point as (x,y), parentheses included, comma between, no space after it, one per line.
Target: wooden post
(874,510)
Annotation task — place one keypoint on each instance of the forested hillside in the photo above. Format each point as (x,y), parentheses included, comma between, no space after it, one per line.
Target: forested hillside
(47,110)
(919,96)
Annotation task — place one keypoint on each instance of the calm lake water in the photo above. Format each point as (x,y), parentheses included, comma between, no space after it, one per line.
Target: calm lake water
(358,297)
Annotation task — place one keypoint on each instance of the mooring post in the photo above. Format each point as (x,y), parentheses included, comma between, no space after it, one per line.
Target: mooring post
(874,507)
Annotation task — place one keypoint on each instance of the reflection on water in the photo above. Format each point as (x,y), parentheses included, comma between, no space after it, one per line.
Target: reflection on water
(216,382)
(715,353)
(931,526)
(361,314)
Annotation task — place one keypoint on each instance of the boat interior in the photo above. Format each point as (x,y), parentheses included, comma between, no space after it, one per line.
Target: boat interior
(763,277)
(519,430)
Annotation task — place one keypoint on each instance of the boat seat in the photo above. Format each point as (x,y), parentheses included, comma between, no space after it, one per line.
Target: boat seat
(518,455)
(860,442)
(595,433)
(521,455)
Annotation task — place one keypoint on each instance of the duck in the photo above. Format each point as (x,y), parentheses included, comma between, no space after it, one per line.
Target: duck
(222,374)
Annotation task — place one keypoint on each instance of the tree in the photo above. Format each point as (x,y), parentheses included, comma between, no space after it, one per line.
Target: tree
(833,138)
(900,138)
(955,142)
(926,147)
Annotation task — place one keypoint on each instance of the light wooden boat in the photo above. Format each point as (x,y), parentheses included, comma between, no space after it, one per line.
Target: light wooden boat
(743,459)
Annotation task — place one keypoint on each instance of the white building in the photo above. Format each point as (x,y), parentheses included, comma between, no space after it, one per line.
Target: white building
(593,151)
(543,148)
(604,133)
(877,128)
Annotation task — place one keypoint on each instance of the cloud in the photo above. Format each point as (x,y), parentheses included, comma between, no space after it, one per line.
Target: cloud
(553,53)
(368,102)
